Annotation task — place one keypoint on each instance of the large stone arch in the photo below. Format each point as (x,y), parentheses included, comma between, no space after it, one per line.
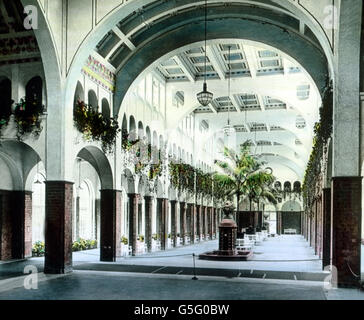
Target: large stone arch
(99,161)
(171,34)
(21,159)
(291,205)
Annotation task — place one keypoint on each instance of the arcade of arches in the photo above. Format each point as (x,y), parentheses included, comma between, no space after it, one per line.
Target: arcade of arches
(275,68)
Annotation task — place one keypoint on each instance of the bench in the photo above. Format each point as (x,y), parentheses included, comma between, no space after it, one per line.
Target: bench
(290,231)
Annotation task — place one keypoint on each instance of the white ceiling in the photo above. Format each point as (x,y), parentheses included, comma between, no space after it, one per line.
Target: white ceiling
(273,101)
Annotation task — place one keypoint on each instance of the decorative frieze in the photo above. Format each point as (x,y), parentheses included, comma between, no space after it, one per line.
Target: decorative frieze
(99,73)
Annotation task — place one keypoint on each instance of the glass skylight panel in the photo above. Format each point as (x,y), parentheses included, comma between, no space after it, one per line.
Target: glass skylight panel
(267,54)
(225,47)
(233,56)
(237,66)
(169,63)
(195,50)
(269,63)
(208,68)
(223,99)
(174,70)
(200,59)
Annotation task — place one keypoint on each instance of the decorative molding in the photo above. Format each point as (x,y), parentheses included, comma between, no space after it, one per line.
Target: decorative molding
(99,73)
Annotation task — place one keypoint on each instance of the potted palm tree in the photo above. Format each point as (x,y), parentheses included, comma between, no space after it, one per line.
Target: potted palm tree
(244,175)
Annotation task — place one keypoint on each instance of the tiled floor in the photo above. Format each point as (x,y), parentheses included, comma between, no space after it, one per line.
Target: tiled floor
(274,273)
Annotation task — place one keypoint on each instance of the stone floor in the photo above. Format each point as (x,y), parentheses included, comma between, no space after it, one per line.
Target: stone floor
(284,267)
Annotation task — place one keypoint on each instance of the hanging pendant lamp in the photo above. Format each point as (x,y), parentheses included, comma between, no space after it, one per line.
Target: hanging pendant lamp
(229,129)
(205,97)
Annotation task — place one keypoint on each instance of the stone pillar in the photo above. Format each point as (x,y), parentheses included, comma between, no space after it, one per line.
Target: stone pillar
(326,241)
(174,222)
(110,225)
(148,222)
(346,227)
(346,181)
(183,215)
(133,221)
(58,227)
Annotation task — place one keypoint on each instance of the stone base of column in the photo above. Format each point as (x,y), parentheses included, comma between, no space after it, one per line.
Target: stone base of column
(58,227)
(346,227)
(110,225)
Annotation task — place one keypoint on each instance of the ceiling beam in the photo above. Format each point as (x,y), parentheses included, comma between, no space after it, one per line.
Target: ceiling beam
(235,103)
(213,107)
(261,102)
(251,60)
(186,67)
(124,38)
(216,61)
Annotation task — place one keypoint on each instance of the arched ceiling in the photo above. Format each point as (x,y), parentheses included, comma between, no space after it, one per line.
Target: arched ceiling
(160,27)
(273,102)
(275,94)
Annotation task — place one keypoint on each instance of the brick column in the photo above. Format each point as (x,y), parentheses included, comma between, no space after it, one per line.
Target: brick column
(346,228)
(133,220)
(174,222)
(110,225)
(205,222)
(148,221)
(193,209)
(326,242)
(164,224)
(58,227)
(210,219)
(200,217)
(15,224)
(183,221)
(279,222)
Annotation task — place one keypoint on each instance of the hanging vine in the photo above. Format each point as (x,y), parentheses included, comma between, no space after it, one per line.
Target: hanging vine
(322,133)
(95,127)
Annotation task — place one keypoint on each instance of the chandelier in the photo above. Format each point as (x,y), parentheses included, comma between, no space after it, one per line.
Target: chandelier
(205,97)
(229,130)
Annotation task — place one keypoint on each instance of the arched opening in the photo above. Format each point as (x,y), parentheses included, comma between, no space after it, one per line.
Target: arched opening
(148,135)
(34,92)
(92,100)
(140,130)
(133,134)
(5,98)
(79,93)
(105,108)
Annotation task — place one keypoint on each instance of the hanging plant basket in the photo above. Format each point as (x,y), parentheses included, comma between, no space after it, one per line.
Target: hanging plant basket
(95,127)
